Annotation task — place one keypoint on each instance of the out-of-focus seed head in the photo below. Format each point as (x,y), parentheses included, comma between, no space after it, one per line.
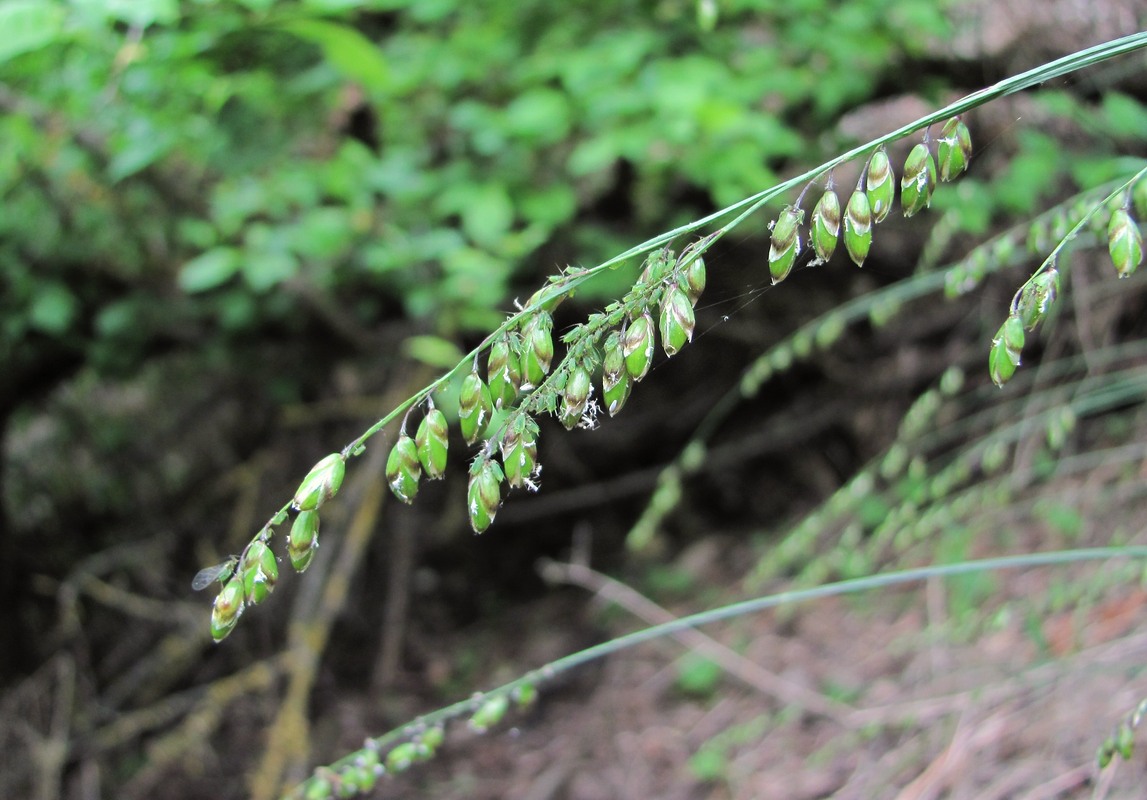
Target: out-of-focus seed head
(615,379)
(489,714)
(228,606)
(520,452)
(526,695)
(303,539)
(953,149)
(1124,242)
(484,494)
(432,442)
(1139,198)
(1007,346)
(881,186)
(826,225)
(575,396)
(404,468)
(319,788)
(695,278)
(1038,298)
(505,374)
(475,408)
(677,321)
(858,227)
(537,350)
(637,346)
(401,757)
(321,483)
(918,181)
(786,243)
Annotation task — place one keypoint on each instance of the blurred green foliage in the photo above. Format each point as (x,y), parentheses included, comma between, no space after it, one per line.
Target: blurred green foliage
(196,171)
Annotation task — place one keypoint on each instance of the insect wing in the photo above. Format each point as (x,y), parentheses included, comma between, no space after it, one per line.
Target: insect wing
(207,576)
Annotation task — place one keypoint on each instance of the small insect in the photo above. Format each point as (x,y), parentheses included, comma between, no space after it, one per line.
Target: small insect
(220,572)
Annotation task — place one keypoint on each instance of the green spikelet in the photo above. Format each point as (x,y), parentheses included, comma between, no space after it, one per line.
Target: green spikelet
(575,396)
(489,714)
(1124,242)
(432,442)
(505,374)
(858,227)
(953,149)
(918,181)
(881,186)
(695,280)
(520,452)
(537,350)
(637,346)
(404,468)
(615,379)
(228,606)
(1038,298)
(321,483)
(826,225)
(259,571)
(677,321)
(484,494)
(786,243)
(1006,348)
(303,540)
(475,407)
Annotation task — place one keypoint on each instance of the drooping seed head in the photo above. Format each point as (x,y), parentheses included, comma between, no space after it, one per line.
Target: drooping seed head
(537,350)
(404,468)
(615,379)
(505,374)
(826,225)
(858,227)
(475,407)
(303,540)
(1006,349)
(918,181)
(881,186)
(432,443)
(1124,242)
(637,346)
(1139,198)
(401,757)
(953,149)
(676,321)
(489,714)
(484,494)
(321,483)
(785,245)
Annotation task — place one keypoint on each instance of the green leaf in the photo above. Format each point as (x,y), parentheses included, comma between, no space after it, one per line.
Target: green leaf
(138,13)
(488,214)
(434,351)
(347,50)
(28,25)
(53,309)
(539,115)
(1123,116)
(209,270)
